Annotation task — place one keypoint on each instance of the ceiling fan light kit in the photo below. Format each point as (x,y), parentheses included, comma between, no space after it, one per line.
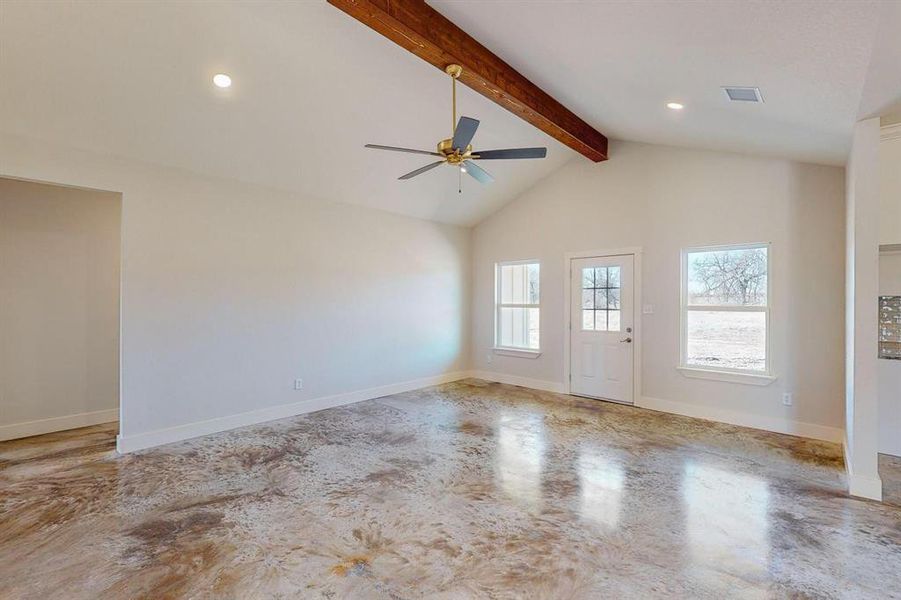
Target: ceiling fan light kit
(457,150)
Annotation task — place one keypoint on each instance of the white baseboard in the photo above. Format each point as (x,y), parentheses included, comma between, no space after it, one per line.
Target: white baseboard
(41,426)
(861,486)
(535,384)
(890,450)
(808,430)
(865,487)
(158,437)
(799,428)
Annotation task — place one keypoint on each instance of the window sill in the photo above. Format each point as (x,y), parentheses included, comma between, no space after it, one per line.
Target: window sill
(517,352)
(727,376)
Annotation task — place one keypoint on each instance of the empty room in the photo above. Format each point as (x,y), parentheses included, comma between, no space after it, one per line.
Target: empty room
(450,299)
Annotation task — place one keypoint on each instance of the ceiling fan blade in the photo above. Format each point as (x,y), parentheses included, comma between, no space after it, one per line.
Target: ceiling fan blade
(396,149)
(464,132)
(510,153)
(477,172)
(421,170)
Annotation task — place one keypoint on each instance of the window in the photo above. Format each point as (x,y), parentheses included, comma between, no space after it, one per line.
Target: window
(517,306)
(600,299)
(725,309)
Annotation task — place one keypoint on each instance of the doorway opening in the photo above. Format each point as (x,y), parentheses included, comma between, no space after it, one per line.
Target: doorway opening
(60,263)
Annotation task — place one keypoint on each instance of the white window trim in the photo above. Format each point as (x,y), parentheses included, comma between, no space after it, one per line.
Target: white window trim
(514,351)
(743,376)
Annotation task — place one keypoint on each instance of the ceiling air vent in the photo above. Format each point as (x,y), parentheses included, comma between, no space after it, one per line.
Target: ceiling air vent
(743,94)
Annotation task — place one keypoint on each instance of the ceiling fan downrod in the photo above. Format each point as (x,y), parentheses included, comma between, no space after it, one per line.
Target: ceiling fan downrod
(454,71)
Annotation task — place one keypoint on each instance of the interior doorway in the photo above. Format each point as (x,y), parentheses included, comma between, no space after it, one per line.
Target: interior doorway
(59,307)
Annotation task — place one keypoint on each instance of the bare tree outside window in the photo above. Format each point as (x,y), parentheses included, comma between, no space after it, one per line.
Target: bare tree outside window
(726,308)
(728,277)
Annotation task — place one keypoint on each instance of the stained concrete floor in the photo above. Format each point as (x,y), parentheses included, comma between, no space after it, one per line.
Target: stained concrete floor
(466,490)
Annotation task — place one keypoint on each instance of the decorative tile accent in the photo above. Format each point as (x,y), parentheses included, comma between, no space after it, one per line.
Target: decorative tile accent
(890,327)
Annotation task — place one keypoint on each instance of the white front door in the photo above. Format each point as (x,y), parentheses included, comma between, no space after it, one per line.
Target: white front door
(601,327)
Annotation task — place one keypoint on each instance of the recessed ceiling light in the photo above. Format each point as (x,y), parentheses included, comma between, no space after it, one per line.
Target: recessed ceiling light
(222,80)
(462,169)
(675,106)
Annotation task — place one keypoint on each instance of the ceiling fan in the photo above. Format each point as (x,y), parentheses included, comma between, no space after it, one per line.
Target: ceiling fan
(457,150)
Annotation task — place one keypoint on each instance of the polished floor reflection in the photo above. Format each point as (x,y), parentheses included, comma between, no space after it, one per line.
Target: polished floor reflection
(466,490)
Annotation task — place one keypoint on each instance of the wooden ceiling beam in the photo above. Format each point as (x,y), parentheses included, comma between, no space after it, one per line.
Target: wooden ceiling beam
(425,32)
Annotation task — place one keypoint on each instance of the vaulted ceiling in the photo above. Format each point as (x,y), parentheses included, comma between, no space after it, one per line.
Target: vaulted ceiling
(617,63)
(311,86)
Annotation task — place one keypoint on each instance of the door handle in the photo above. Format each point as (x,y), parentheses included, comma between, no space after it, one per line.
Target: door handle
(628,340)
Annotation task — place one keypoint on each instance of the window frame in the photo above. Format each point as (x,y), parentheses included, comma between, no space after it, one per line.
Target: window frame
(755,377)
(514,350)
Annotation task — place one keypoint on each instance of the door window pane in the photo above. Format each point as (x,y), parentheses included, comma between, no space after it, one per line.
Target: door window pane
(588,278)
(613,299)
(730,340)
(613,320)
(600,291)
(587,320)
(587,298)
(613,277)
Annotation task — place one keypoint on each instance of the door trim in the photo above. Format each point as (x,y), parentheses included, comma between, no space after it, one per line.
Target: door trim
(635,252)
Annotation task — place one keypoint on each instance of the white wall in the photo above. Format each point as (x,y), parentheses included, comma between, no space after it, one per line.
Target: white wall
(664,199)
(890,185)
(862,206)
(59,308)
(890,370)
(890,283)
(232,291)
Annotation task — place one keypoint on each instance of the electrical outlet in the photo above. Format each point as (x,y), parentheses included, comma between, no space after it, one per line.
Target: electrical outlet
(298,384)
(489,357)
(787,399)
(647,309)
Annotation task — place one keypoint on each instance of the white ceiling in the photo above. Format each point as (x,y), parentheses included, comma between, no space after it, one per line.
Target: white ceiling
(312,86)
(617,63)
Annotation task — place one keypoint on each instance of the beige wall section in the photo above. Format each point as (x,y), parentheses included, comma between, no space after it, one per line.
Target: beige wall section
(890,282)
(890,185)
(231,291)
(59,307)
(890,370)
(664,199)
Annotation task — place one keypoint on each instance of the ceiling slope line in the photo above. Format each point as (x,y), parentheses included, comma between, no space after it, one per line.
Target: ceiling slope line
(423,31)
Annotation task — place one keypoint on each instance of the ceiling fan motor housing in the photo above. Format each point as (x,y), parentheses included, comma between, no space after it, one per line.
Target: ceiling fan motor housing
(454,157)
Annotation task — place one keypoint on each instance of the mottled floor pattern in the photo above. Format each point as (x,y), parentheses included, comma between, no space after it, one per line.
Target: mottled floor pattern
(466,490)
(890,471)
